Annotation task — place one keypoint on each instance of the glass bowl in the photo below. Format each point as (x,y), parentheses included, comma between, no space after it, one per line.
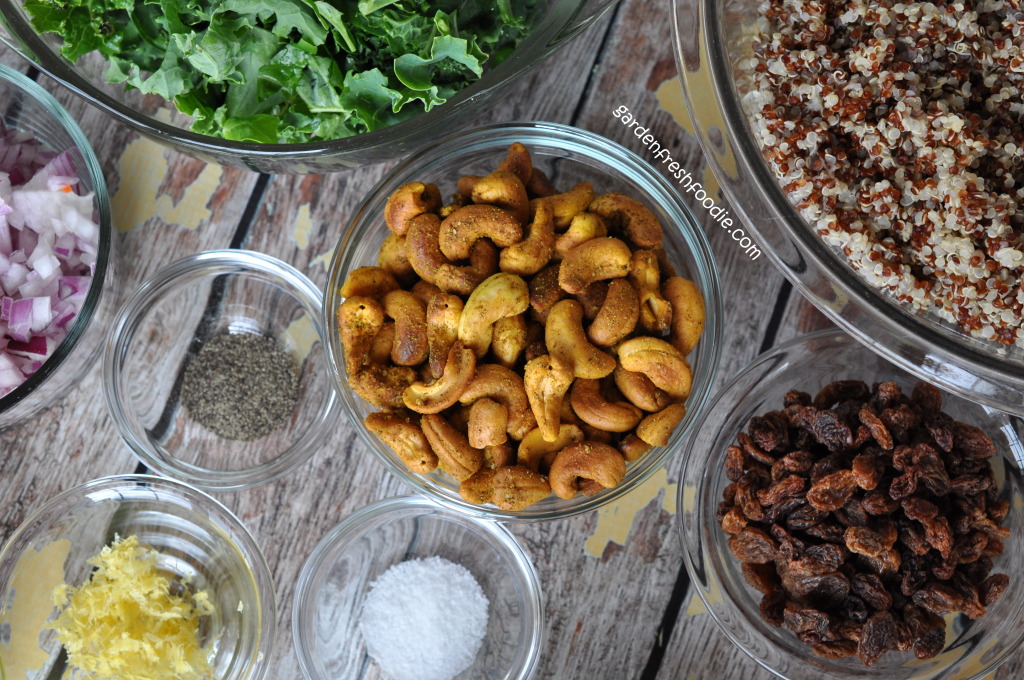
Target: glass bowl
(557,22)
(334,582)
(166,323)
(973,648)
(568,155)
(198,540)
(712,42)
(32,110)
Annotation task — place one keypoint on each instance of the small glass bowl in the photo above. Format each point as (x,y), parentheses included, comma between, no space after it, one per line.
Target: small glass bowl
(556,23)
(166,322)
(334,582)
(31,109)
(567,155)
(973,648)
(199,543)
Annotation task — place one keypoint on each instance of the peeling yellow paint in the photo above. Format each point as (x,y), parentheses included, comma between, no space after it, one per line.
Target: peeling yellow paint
(696,605)
(36,575)
(302,335)
(615,520)
(143,167)
(670,97)
(303,227)
(323,259)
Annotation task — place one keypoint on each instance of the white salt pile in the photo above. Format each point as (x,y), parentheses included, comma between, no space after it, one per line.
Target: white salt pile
(424,619)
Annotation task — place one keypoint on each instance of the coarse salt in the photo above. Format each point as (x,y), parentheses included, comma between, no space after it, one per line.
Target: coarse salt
(424,619)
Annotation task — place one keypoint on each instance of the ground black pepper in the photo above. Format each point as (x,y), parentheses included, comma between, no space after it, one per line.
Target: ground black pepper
(240,386)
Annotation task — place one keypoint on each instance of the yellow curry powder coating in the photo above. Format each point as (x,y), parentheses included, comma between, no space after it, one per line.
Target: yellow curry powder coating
(124,622)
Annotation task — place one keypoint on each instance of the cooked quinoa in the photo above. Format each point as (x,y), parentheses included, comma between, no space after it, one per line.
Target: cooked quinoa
(897,130)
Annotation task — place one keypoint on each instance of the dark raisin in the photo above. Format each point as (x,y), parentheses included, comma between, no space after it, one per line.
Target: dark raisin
(867,471)
(762,577)
(804,517)
(887,395)
(782,490)
(832,491)
(940,427)
(796,397)
(878,502)
(733,521)
(840,390)
(970,485)
(930,469)
(795,462)
(992,588)
(972,441)
(919,508)
(810,625)
(904,485)
(831,431)
(900,421)
(970,547)
(772,606)
(938,598)
(879,432)
(864,541)
(927,398)
(734,463)
(836,649)
(930,644)
(753,545)
(878,637)
(770,431)
(753,451)
(871,589)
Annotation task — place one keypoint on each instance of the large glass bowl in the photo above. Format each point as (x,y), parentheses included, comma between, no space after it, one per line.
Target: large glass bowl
(557,22)
(336,578)
(568,155)
(31,109)
(198,541)
(973,648)
(712,42)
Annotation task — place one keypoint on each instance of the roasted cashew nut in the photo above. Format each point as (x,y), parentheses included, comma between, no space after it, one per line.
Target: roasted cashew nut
(594,461)
(454,454)
(478,488)
(504,190)
(488,421)
(438,395)
(687,312)
(393,259)
(408,201)
(516,487)
(661,362)
(593,260)
(566,205)
(422,248)
(497,297)
(630,217)
(424,291)
(656,428)
(655,310)
(592,408)
(547,380)
(410,315)
(633,448)
(497,455)
(359,321)
(401,432)
(566,341)
(539,185)
(443,313)
(545,292)
(461,229)
(640,391)
(534,445)
(584,226)
(531,254)
(504,386)
(373,282)
(618,314)
(592,297)
(509,339)
(383,342)
(462,279)
(518,162)
(382,386)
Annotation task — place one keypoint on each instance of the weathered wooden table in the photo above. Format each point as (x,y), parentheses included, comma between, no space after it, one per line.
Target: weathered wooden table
(617,599)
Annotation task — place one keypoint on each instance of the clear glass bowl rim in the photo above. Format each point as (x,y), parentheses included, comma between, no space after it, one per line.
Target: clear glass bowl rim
(595,147)
(320,562)
(97,287)
(122,332)
(912,343)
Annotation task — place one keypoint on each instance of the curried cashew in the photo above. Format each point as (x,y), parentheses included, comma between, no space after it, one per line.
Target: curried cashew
(454,454)
(518,162)
(424,291)
(478,488)
(661,362)
(410,315)
(392,257)
(382,386)
(421,246)
(639,389)
(576,463)
(504,190)
(497,297)
(630,217)
(546,380)
(443,312)
(504,386)
(592,297)
(400,431)
(438,395)
(464,226)
(408,201)
(633,448)
(534,445)
(459,200)
(655,310)
(545,292)
(380,350)
(373,282)
(687,312)
(592,408)
(656,428)
(593,260)
(531,254)
(584,226)
(359,321)
(488,421)
(462,279)
(617,316)
(539,185)
(497,455)
(565,340)
(509,339)
(517,487)
(566,205)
